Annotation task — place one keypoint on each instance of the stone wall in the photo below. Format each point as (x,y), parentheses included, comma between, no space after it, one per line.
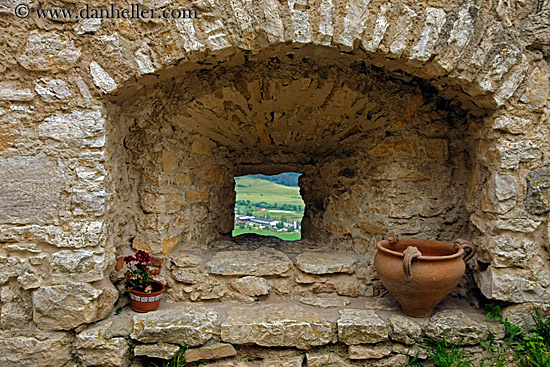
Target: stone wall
(428,118)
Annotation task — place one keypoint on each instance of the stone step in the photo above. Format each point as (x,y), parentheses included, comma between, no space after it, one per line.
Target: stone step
(285,325)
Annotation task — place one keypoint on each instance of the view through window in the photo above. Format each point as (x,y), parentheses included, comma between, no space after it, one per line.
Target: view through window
(269,205)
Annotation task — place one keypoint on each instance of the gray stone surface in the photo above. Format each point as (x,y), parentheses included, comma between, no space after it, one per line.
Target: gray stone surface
(510,284)
(368,351)
(9,92)
(512,153)
(48,51)
(183,325)
(52,90)
(101,78)
(30,190)
(325,302)
(325,262)
(78,128)
(506,250)
(63,307)
(69,235)
(214,351)
(537,200)
(261,262)
(158,350)
(512,124)
(361,327)
(456,327)
(94,347)
(78,265)
(404,329)
(40,350)
(536,30)
(276,325)
(251,286)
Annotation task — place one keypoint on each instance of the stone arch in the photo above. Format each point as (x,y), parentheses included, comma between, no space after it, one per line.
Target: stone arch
(479,66)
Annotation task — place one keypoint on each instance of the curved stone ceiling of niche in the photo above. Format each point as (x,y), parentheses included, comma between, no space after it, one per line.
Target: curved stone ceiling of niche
(313,110)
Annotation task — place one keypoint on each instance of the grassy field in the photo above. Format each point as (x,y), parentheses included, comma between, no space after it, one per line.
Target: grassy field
(258,190)
(279,202)
(283,236)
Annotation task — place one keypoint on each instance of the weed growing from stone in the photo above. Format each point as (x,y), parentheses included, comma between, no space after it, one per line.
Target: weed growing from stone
(531,347)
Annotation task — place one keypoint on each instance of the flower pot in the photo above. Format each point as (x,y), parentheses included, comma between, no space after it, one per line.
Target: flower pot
(145,302)
(420,273)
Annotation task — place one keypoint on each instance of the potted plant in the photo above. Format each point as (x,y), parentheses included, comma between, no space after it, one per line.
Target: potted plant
(145,292)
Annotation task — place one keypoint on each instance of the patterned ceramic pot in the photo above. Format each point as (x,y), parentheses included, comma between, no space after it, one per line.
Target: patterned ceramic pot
(145,302)
(420,273)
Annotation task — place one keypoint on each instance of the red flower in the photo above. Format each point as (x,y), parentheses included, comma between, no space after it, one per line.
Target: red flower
(142,256)
(129,259)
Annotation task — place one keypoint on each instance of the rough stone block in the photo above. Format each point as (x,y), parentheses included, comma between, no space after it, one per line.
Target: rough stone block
(361,327)
(16,307)
(512,153)
(78,128)
(101,78)
(186,261)
(179,325)
(404,329)
(512,124)
(52,90)
(63,307)
(215,351)
(8,92)
(48,51)
(261,262)
(276,325)
(537,200)
(508,251)
(325,359)
(456,327)
(30,190)
(325,263)
(368,351)
(325,302)
(78,266)
(159,350)
(94,348)
(251,286)
(40,350)
(510,284)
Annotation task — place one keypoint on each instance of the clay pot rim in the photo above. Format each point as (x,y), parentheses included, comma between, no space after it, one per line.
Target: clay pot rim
(418,242)
(152,294)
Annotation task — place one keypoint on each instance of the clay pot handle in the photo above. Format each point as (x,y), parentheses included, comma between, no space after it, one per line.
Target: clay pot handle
(392,238)
(409,255)
(469,248)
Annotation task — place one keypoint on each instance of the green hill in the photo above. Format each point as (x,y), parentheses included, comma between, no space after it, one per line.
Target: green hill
(259,190)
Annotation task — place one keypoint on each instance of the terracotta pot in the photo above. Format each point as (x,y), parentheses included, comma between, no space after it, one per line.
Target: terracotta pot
(420,273)
(145,302)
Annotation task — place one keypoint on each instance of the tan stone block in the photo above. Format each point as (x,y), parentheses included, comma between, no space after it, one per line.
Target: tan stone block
(210,173)
(216,351)
(397,147)
(183,179)
(200,149)
(154,245)
(197,196)
(338,229)
(436,148)
(169,161)
(373,227)
(411,109)
(303,278)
